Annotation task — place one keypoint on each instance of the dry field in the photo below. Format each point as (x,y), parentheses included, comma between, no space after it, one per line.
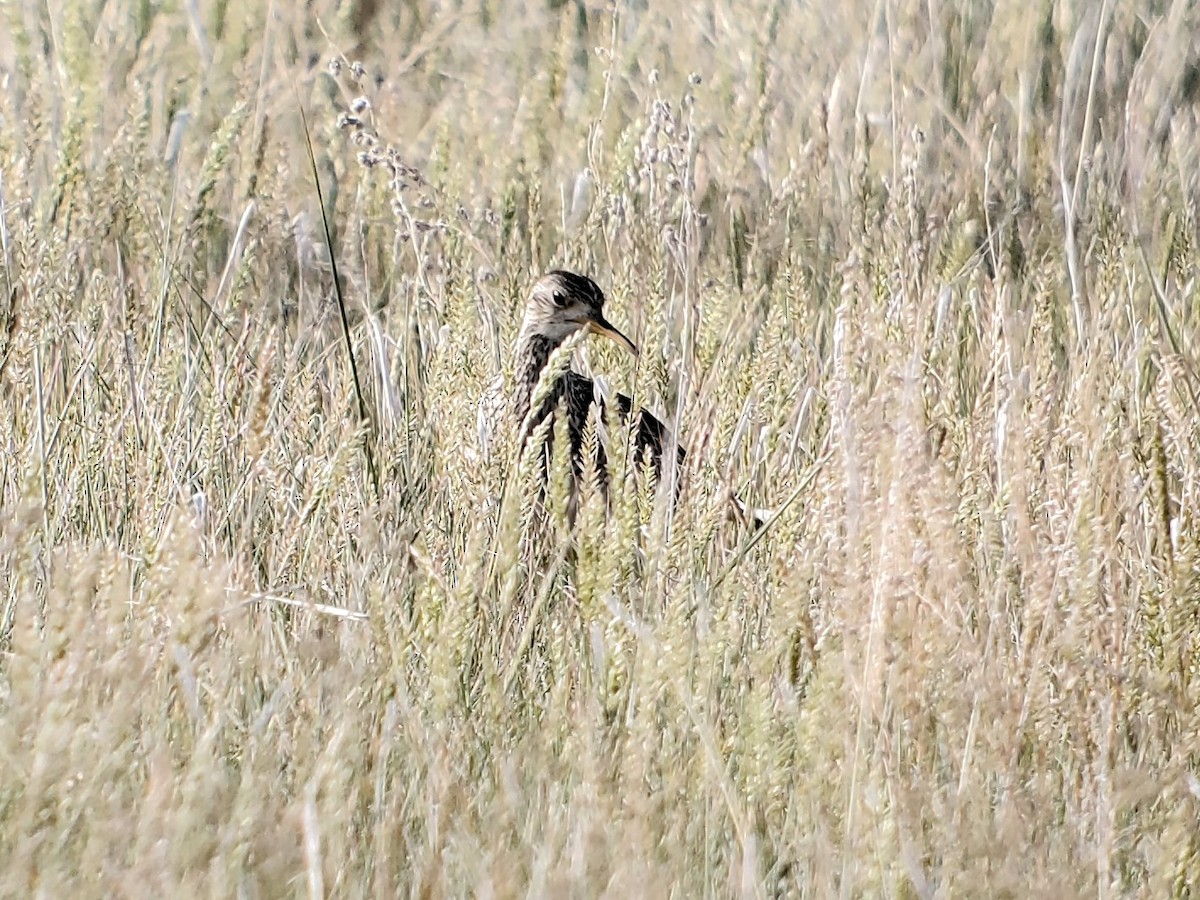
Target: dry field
(919,276)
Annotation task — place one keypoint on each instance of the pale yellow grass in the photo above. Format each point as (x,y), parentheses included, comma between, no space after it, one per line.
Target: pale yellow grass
(921,275)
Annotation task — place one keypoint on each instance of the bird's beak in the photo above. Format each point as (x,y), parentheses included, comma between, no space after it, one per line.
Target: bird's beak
(601,325)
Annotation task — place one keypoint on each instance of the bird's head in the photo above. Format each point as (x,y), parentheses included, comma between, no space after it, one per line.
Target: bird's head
(562,302)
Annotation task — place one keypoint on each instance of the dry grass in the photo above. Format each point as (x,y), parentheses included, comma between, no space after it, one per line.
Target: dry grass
(926,270)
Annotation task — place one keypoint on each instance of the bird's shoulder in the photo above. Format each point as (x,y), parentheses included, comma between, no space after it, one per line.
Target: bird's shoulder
(650,431)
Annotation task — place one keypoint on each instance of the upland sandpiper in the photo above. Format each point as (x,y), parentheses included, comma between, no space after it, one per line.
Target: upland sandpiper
(560,304)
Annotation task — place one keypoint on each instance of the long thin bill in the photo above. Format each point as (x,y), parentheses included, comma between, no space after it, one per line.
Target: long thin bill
(606,328)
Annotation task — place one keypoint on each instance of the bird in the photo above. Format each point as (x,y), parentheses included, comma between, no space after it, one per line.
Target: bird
(560,304)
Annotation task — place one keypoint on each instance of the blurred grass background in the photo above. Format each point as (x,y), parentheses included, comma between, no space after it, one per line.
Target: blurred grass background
(923,276)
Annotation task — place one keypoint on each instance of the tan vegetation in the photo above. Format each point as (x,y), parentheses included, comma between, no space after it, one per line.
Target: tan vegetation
(922,276)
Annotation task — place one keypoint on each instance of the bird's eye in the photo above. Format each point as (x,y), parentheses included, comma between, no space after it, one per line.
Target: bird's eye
(561,299)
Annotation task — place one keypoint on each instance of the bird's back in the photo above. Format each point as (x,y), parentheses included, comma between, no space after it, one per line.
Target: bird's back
(577,395)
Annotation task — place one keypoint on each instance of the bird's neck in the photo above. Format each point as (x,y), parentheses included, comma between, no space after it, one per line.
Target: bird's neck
(533,352)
